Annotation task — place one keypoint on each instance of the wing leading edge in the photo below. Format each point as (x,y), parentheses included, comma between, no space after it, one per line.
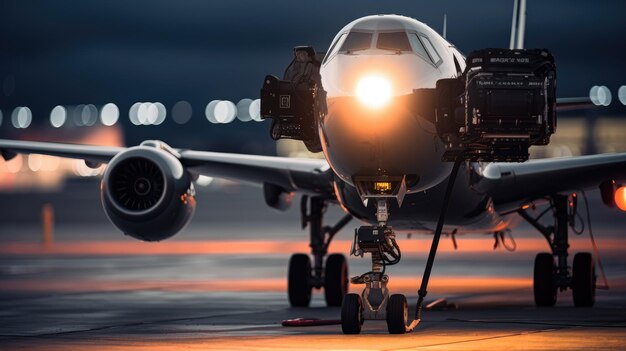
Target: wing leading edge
(513,184)
(291,174)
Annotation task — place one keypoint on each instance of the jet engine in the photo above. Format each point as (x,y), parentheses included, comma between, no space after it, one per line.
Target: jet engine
(147,193)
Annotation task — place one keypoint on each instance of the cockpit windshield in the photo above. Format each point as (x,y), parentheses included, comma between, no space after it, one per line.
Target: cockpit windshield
(356,41)
(396,41)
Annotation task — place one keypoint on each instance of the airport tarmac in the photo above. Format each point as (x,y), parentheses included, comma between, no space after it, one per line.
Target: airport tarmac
(93,289)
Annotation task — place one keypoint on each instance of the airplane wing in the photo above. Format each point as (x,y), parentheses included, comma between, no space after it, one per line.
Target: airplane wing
(575,103)
(513,184)
(291,174)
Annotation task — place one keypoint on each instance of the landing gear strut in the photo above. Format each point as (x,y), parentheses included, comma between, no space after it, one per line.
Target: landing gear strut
(375,302)
(305,275)
(552,275)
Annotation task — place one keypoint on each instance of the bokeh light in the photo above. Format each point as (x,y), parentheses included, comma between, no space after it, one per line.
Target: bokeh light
(243,110)
(14,165)
(58,115)
(181,112)
(225,111)
(209,111)
(21,117)
(89,115)
(133,113)
(255,110)
(621,94)
(204,180)
(600,95)
(34,162)
(81,169)
(161,113)
(109,114)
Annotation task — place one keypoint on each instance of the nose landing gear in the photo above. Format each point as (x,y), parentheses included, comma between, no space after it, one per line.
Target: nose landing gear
(375,302)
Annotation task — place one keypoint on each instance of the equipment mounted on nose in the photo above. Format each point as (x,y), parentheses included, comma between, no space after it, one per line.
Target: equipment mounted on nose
(503,103)
(297,102)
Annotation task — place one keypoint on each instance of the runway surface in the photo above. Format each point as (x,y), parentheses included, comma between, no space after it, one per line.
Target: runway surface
(221,285)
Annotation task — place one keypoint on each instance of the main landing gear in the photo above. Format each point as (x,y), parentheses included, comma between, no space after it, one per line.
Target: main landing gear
(304,276)
(551,276)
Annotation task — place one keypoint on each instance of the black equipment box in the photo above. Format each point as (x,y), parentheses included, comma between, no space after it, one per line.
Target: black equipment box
(371,238)
(295,103)
(501,105)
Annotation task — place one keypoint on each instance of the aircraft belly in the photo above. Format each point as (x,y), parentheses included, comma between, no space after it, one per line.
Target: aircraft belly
(469,210)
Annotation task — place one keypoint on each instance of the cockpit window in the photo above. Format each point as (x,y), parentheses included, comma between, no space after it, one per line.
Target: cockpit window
(356,41)
(418,47)
(431,50)
(396,41)
(335,47)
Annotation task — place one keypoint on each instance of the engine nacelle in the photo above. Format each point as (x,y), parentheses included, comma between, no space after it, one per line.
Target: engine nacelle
(147,193)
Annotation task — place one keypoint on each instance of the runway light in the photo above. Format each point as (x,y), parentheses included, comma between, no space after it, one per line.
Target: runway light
(255,110)
(181,112)
(620,198)
(109,114)
(21,117)
(621,94)
(58,115)
(243,110)
(373,91)
(225,111)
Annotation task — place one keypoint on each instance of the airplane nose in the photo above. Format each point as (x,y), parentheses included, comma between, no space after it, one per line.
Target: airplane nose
(361,141)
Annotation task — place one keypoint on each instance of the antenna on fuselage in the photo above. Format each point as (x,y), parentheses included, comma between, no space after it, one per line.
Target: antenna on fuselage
(445,25)
(518,25)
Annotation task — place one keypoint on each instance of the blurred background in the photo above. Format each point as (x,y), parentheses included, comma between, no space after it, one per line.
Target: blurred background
(117,73)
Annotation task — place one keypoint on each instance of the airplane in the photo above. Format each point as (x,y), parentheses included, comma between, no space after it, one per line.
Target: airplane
(398,112)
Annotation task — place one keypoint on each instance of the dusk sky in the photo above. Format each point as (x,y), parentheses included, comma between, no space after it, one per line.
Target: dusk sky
(77,52)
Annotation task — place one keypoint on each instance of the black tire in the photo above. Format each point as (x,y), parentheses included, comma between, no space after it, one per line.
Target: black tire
(351,314)
(335,279)
(298,280)
(583,280)
(397,314)
(543,280)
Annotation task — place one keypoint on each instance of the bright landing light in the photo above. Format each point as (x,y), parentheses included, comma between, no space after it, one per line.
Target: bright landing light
(373,91)
(620,198)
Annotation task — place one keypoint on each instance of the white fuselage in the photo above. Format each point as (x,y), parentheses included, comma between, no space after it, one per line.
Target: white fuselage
(387,55)
(371,68)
